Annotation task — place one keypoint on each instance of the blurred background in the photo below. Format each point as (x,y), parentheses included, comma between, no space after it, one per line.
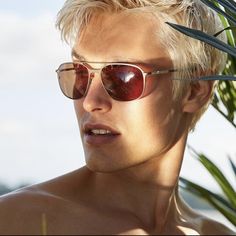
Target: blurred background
(39,137)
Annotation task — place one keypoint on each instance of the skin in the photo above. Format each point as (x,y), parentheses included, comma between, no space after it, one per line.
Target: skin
(129,185)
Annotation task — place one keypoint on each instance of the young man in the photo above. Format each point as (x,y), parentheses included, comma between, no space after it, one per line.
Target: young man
(136,96)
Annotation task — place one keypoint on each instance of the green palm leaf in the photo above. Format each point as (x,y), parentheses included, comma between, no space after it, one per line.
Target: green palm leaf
(233,166)
(228,5)
(219,77)
(215,200)
(218,176)
(226,97)
(209,39)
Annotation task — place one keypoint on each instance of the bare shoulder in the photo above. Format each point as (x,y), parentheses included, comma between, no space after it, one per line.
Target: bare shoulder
(212,227)
(23,211)
(195,223)
(20,210)
(207,226)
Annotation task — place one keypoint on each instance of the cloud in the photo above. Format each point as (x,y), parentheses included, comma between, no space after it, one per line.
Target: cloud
(31,48)
(12,127)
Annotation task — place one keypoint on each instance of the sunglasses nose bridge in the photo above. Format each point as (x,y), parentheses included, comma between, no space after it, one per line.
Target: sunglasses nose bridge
(91,76)
(93,72)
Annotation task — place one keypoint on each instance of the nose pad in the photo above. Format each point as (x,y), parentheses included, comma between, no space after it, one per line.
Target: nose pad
(94,99)
(91,77)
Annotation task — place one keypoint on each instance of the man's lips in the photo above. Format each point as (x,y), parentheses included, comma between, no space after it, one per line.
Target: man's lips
(99,134)
(92,128)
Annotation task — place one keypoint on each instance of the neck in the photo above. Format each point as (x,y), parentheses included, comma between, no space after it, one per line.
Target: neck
(146,191)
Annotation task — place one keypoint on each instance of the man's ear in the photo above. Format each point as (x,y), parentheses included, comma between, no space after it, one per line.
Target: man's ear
(197,95)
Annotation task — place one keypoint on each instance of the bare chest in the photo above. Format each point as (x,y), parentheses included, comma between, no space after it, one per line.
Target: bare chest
(86,221)
(63,217)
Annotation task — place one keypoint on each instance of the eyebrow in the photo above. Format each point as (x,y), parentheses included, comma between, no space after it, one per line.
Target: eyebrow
(79,57)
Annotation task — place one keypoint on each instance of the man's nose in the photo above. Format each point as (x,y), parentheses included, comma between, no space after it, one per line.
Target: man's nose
(96,98)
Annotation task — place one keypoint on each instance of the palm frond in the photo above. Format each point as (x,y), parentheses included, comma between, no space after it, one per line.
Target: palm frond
(227,4)
(209,39)
(218,175)
(221,204)
(219,77)
(232,165)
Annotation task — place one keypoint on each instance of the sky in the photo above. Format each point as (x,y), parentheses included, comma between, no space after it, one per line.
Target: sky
(39,136)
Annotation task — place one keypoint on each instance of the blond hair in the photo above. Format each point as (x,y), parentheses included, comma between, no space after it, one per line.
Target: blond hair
(184,51)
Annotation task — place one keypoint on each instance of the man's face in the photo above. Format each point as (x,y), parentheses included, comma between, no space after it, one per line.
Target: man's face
(141,129)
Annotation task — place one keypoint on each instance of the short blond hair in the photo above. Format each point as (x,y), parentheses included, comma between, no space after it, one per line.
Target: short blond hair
(184,51)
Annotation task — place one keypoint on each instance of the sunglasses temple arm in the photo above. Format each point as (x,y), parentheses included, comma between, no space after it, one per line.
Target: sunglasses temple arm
(209,78)
(67,69)
(206,78)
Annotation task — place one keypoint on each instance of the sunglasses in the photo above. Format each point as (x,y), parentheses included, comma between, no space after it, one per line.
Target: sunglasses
(123,82)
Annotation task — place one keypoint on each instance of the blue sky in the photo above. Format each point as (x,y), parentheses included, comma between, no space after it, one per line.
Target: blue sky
(39,137)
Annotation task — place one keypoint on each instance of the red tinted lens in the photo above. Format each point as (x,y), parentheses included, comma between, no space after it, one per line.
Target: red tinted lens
(123,82)
(81,81)
(73,80)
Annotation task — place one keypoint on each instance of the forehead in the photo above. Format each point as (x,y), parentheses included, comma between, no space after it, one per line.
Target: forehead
(116,36)
(111,24)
